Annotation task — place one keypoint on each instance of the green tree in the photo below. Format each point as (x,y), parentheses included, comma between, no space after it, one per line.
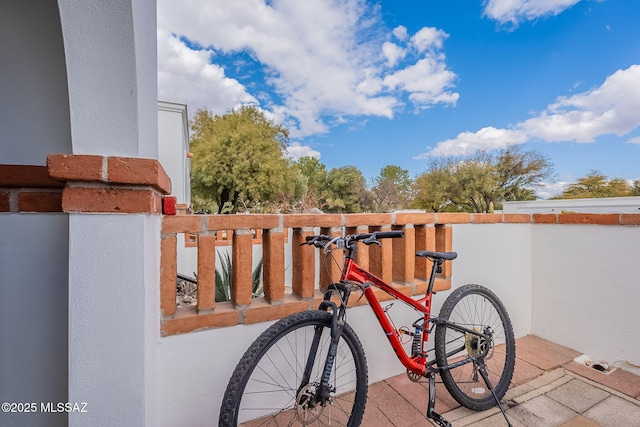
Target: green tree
(391,189)
(239,161)
(315,172)
(453,185)
(478,183)
(596,185)
(432,189)
(314,175)
(346,191)
(519,171)
(635,188)
(475,183)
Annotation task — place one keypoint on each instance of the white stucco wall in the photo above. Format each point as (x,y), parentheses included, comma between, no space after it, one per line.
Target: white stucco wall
(34,121)
(585,290)
(600,205)
(497,256)
(34,104)
(33,314)
(110,50)
(113,317)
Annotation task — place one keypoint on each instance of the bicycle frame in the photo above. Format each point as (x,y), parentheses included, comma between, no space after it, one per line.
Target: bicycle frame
(416,363)
(352,272)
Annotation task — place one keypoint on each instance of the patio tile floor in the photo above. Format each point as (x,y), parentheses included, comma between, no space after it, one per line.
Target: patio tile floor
(548,389)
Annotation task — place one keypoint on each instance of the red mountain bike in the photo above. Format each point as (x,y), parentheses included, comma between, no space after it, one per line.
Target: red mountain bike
(310,368)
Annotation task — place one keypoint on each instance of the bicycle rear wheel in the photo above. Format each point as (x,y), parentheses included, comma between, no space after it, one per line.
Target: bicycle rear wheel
(267,386)
(477,308)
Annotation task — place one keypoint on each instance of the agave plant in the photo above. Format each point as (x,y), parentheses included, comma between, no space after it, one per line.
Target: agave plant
(224,279)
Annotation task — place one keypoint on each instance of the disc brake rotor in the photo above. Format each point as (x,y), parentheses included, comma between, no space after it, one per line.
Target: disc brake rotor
(307,409)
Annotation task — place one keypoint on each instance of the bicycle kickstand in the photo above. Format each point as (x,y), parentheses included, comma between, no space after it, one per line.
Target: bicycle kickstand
(483,372)
(431,413)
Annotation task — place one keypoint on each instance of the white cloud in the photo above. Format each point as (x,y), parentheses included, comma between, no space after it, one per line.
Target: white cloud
(428,38)
(516,11)
(635,140)
(467,143)
(612,108)
(321,59)
(401,32)
(186,73)
(393,53)
(296,151)
(424,91)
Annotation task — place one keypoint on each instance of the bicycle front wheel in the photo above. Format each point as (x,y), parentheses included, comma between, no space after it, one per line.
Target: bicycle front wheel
(269,388)
(476,308)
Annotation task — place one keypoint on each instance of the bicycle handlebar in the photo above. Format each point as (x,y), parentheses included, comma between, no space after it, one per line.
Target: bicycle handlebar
(367,238)
(388,234)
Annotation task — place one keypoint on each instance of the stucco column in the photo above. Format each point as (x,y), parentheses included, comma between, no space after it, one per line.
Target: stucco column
(110,52)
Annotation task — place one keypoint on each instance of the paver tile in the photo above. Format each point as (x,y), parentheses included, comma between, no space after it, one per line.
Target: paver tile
(578,395)
(547,378)
(543,389)
(496,420)
(623,381)
(516,391)
(395,407)
(534,342)
(524,371)
(442,395)
(580,421)
(373,416)
(615,411)
(545,360)
(458,414)
(416,394)
(542,412)
(553,397)
(475,417)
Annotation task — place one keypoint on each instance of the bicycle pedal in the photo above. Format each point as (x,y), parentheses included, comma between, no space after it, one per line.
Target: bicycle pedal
(438,419)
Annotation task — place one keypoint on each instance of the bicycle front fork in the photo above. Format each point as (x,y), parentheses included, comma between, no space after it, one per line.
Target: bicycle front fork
(337,325)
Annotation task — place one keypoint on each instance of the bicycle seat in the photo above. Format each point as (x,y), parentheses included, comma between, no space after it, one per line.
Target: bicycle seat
(438,255)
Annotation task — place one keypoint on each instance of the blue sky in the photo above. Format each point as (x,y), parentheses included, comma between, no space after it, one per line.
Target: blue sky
(374,83)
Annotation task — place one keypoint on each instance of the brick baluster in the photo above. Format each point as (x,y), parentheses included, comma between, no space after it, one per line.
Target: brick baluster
(381,257)
(444,243)
(206,271)
(241,260)
(303,260)
(273,264)
(168,273)
(425,241)
(404,251)
(330,270)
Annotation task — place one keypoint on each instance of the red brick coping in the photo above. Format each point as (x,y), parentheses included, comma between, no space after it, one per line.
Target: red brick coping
(84,183)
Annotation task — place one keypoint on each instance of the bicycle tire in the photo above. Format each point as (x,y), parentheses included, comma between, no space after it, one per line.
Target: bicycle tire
(273,366)
(475,307)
